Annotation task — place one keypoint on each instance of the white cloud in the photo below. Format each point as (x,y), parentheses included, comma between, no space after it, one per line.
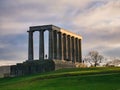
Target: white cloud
(105,16)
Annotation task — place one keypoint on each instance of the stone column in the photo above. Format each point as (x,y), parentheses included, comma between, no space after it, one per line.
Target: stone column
(41,45)
(76,42)
(30,46)
(69,48)
(55,44)
(80,51)
(65,46)
(60,45)
(51,45)
(73,49)
(72,40)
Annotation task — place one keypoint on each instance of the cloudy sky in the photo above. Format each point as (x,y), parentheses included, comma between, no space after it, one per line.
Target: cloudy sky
(98,21)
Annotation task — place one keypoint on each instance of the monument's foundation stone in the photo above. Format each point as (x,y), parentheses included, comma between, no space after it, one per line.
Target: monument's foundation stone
(32,67)
(4,71)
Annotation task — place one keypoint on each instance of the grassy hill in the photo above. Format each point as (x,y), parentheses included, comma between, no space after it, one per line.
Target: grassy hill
(66,79)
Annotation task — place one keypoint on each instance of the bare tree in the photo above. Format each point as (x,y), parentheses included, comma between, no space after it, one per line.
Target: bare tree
(94,58)
(114,62)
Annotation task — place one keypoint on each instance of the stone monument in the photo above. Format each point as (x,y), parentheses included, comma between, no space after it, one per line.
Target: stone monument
(63,44)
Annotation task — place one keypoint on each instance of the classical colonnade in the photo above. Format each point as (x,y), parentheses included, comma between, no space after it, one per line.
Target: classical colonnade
(63,45)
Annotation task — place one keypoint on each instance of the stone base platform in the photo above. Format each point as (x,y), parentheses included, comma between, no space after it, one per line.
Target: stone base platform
(32,67)
(60,64)
(37,66)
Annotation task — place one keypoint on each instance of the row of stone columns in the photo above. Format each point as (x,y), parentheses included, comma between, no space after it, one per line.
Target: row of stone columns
(64,47)
(61,46)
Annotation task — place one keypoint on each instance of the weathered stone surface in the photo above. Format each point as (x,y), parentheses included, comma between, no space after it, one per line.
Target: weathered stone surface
(4,71)
(59,64)
(32,67)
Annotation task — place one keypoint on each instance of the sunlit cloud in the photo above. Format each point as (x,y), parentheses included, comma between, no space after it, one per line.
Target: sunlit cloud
(104,16)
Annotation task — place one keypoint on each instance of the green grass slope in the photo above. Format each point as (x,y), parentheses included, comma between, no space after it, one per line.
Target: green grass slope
(66,79)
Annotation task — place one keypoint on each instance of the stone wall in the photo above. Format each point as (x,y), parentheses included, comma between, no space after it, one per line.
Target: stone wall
(37,66)
(32,67)
(4,71)
(59,64)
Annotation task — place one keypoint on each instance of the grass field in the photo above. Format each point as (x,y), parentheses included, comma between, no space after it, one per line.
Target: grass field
(66,79)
